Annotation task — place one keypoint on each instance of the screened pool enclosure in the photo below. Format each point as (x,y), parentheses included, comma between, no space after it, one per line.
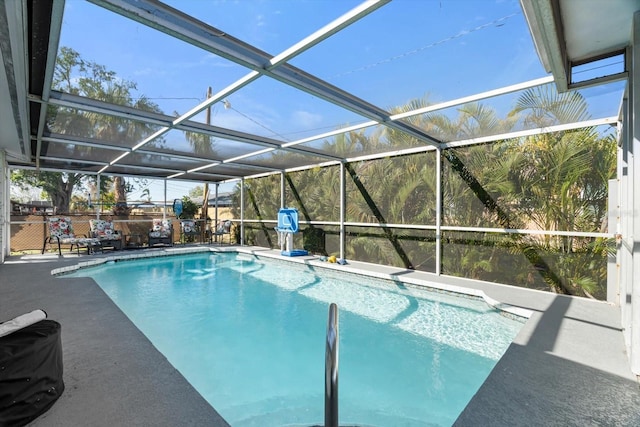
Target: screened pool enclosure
(392,128)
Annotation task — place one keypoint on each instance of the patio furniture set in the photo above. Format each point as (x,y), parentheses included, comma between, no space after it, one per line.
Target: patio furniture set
(103,235)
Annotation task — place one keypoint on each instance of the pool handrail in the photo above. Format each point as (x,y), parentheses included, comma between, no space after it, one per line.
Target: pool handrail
(331,369)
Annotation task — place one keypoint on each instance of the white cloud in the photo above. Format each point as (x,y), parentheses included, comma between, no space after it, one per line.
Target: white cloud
(148,71)
(305,118)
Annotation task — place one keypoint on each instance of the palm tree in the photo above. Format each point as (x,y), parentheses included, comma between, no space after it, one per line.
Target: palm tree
(562,185)
(555,181)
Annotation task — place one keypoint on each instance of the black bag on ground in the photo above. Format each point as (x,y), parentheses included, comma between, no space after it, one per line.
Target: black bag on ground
(30,372)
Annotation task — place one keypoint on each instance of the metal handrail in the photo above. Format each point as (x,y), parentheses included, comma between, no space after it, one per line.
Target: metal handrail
(331,370)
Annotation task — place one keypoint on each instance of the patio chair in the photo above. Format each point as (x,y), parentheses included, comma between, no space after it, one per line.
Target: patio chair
(61,232)
(224,227)
(104,231)
(189,230)
(161,233)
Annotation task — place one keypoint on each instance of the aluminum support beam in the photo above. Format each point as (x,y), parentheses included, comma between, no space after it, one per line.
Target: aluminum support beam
(343,209)
(632,235)
(242,212)
(282,191)
(98,197)
(87,142)
(164,210)
(5,208)
(215,224)
(177,24)
(438,211)
(173,22)
(129,113)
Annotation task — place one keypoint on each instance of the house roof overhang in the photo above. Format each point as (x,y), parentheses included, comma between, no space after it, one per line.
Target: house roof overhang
(570,33)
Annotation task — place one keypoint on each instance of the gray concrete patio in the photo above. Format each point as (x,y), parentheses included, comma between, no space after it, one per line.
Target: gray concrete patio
(566,367)
(113,375)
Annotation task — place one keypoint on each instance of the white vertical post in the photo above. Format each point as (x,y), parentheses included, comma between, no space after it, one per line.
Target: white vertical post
(242,212)
(438,210)
(98,197)
(283,238)
(624,253)
(343,194)
(5,208)
(634,208)
(164,208)
(613,279)
(282,190)
(215,223)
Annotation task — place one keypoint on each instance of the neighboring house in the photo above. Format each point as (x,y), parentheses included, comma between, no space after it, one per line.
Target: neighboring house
(32,207)
(225,200)
(141,208)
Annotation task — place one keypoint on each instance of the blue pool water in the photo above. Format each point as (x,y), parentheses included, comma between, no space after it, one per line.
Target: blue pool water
(249,335)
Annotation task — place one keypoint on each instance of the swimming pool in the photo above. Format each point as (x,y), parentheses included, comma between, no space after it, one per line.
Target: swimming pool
(249,333)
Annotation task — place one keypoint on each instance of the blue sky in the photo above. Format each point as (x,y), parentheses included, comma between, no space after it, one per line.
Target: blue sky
(407,49)
(404,50)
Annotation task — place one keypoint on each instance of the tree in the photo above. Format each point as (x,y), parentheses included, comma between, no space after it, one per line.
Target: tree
(189,208)
(554,181)
(58,187)
(196,191)
(562,183)
(77,76)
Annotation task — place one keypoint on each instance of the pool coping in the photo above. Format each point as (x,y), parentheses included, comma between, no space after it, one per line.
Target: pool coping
(364,269)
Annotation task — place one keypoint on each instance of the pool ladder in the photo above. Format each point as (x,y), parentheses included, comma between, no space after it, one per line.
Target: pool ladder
(331,370)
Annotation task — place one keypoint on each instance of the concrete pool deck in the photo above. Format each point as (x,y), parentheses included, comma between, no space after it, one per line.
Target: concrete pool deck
(567,366)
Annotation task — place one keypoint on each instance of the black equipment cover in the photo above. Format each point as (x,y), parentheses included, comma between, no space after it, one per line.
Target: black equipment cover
(30,372)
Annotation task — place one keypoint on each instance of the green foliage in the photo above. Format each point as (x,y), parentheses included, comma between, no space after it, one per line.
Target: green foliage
(314,240)
(553,181)
(80,204)
(78,76)
(189,208)
(56,186)
(197,191)
(108,199)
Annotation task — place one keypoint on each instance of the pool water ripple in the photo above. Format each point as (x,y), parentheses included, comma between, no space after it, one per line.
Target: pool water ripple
(249,333)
